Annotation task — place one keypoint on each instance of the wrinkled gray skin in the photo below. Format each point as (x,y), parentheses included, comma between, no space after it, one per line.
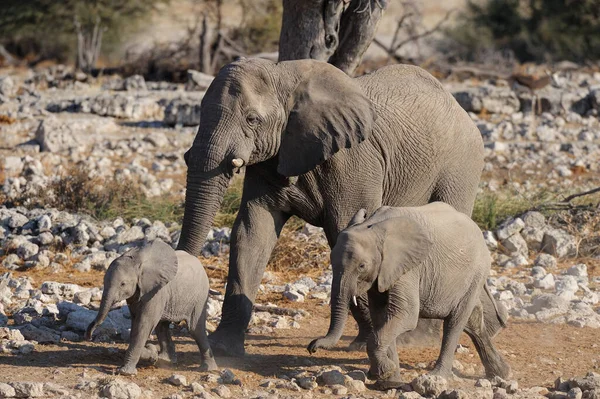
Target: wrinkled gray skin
(320,145)
(336,30)
(430,262)
(161,285)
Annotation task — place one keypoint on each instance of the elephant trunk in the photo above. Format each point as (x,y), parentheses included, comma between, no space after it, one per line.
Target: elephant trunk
(340,301)
(202,201)
(107,302)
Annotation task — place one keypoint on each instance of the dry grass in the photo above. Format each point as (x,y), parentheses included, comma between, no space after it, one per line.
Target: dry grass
(302,255)
(75,191)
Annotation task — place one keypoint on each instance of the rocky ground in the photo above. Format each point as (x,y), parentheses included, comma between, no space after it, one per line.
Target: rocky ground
(55,122)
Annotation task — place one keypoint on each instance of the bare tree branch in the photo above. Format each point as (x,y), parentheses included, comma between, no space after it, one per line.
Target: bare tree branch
(566,204)
(426,33)
(407,24)
(589,192)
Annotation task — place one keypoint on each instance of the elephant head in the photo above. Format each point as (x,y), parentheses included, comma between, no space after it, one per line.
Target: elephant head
(139,272)
(367,254)
(336,30)
(295,113)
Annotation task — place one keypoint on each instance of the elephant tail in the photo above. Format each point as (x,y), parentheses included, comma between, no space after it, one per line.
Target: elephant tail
(501,312)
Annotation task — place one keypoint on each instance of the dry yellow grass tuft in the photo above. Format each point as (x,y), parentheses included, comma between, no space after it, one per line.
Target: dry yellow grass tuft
(6,120)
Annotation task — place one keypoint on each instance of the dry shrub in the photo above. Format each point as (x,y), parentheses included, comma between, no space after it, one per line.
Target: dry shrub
(299,253)
(76,191)
(584,224)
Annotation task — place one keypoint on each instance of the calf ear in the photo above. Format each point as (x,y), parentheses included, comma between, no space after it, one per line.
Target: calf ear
(358,217)
(158,267)
(405,245)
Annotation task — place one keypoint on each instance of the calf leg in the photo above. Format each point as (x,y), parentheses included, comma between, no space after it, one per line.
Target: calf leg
(167,346)
(454,325)
(381,346)
(492,361)
(198,331)
(148,317)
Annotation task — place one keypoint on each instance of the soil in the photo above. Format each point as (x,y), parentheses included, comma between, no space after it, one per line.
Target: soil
(538,354)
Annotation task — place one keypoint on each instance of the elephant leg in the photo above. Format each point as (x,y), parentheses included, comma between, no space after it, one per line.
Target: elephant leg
(381,346)
(198,332)
(254,236)
(492,361)
(141,328)
(454,325)
(363,318)
(167,351)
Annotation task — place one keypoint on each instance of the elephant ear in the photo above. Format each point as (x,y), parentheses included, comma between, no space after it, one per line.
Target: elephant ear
(329,111)
(358,217)
(158,267)
(405,246)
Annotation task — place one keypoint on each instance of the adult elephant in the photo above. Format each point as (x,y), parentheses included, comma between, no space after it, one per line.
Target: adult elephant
(336,30)
(319,145)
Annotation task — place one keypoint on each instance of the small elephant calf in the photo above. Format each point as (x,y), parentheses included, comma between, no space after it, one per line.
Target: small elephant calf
(161,285)
(429,262)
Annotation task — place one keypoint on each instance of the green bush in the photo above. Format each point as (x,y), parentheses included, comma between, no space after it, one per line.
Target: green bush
(534,30)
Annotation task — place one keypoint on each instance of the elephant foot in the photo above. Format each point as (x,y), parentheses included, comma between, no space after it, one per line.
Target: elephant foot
(164,358)
(501,369)
(359,344)
(209,365)
(226,343)
(384,370)
(127,370)
(441,372)
(384,385)
(150,353)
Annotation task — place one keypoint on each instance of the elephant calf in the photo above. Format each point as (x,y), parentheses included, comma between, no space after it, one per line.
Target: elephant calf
(429,261)
(161,285)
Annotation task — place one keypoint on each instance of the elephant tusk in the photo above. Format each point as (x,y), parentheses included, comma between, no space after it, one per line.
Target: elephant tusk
(237,162)
(354,300)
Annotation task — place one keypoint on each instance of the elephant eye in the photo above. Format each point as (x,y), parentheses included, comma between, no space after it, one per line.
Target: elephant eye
(123,284)
(362,267)
(253,119)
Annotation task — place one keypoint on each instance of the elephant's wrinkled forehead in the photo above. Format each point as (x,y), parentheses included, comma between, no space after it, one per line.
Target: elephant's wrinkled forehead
(241,83)
(350,243)
(243,78)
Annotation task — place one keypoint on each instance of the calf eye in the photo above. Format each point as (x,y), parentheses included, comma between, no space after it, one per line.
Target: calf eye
(362,267)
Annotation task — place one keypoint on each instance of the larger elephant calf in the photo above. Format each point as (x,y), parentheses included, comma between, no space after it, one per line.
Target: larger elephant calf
(393,137)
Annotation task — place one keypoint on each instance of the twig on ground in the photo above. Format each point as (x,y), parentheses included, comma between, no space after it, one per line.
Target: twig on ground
(279,311)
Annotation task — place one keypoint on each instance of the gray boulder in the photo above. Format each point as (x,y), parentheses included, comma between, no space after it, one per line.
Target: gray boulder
(28,389)
(7,86)
(184,112)
(559,243)
(429,385)
(115,324)
(135,82)
(120,389)
(494,99)
(515,245)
